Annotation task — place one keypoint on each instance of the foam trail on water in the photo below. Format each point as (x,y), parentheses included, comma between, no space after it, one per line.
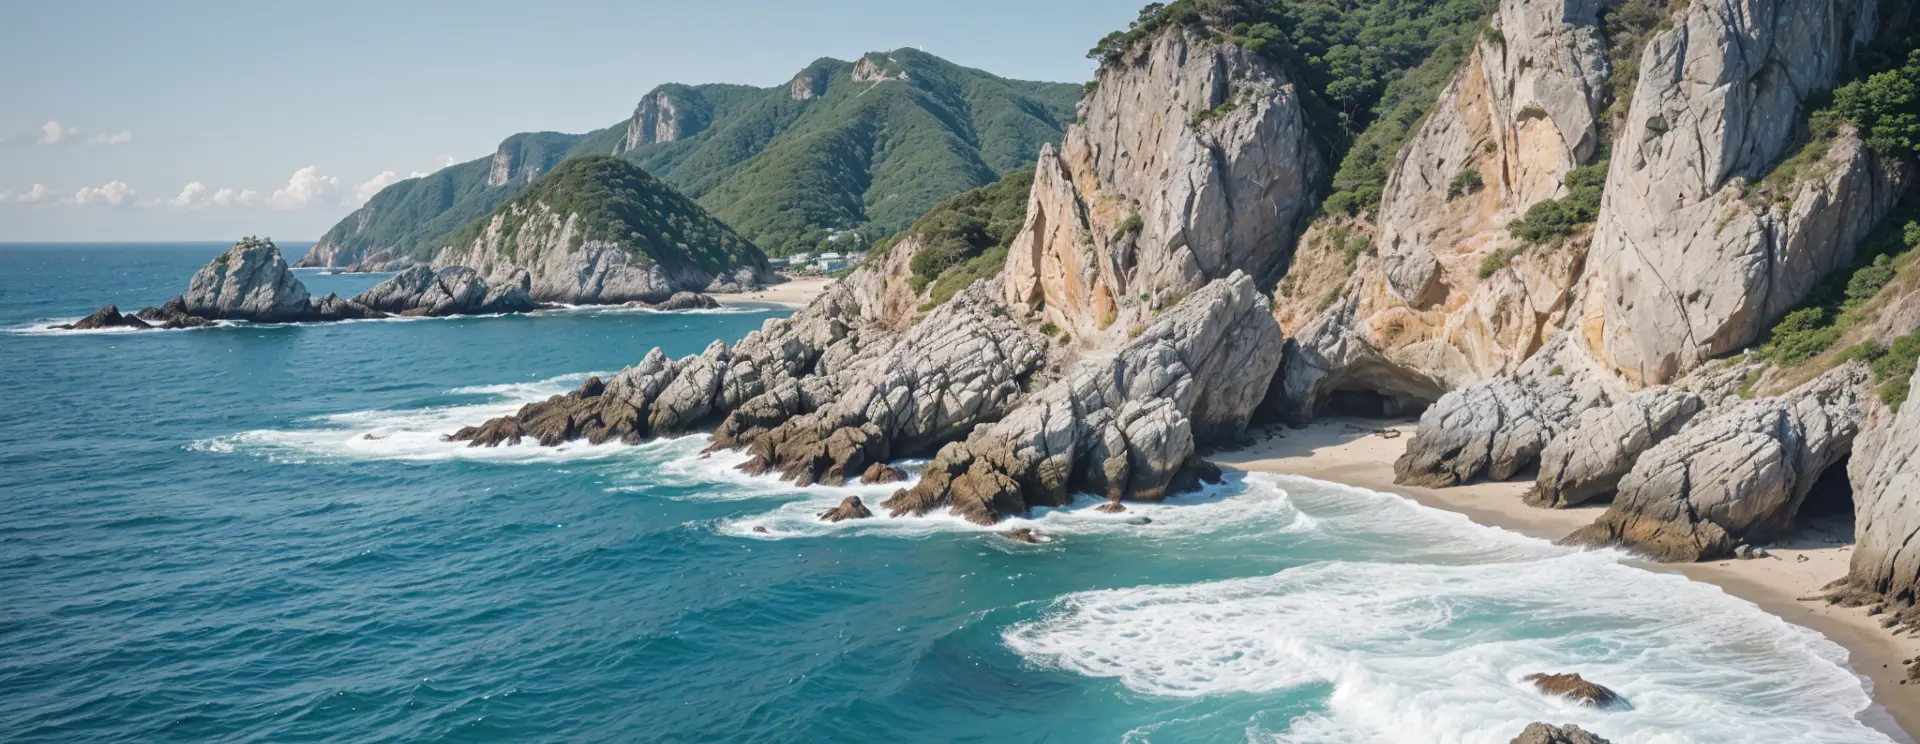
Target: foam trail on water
(1439,646)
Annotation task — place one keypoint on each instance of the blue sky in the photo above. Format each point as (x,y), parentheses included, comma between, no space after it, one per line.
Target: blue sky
(112,110)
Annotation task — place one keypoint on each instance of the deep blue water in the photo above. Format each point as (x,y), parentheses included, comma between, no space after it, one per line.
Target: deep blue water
(252,533)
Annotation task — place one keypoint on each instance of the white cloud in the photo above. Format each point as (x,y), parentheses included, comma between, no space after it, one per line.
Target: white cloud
(113,194)
(232,198)
(365,191)
(305,188)
(193,196)
(418,174)
(38,193)
(111,139)
(55,133)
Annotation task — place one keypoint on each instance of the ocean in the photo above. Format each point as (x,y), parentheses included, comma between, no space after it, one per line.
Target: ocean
(253,533)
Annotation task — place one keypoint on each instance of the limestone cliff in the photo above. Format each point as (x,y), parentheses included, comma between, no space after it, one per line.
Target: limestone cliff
(1192,160)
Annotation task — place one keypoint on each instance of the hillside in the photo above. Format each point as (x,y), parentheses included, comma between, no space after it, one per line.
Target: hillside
(868,145)
(599,229)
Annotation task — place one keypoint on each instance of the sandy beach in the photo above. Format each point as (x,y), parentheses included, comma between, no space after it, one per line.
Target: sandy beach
(1348,451)
(794,293)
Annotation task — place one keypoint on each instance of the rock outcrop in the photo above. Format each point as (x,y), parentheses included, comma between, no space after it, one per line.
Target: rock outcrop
(1588,460)
(849,508)
(1499,427)
(251,282)
(1575,688)
(1686,265)
(451,290)
(1885,476)
(1192,160)
(1434,294)
(1123,427)
(1737,475)
(382,262)
(106,317)
(1541,733)
(686,301)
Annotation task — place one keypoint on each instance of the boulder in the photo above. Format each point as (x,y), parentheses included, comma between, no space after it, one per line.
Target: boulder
(1573,687)
(1738,476)
(1124,426)
(1541,733)
(1588,460)
(252,282)
(881,472)
(106,317)
(849,508)
(687,301)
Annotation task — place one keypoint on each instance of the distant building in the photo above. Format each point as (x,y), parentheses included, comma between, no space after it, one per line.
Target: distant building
(830,256)
(800,258)
(828,265)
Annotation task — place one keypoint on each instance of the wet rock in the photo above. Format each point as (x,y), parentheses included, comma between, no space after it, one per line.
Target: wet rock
(1573,687)
(1739,475)
(106,317)
(1541,733)
(687,301)
(172,315)
(1111,507)
(881,472)
(1023,535)
(849,508)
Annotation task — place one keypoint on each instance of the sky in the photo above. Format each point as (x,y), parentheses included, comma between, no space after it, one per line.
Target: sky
(209,120)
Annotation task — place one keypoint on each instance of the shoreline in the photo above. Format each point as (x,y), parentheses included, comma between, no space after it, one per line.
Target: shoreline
(793,293)
(1349,452)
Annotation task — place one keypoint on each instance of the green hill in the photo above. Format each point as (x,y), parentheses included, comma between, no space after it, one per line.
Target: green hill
(868,145)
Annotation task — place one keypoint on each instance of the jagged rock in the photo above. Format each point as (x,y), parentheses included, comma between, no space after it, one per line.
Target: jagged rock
(172,315)
(1885,475)
(1207,194)
(1573,687)
(251,281)
(1124,426)
(1498,428)
(964,365)
(1541,733)
(1111,507)
(687,301)
(106,317)
(452,290)
(881,472)
(849,508)
(331,307)
(1588,459)
(1739,475)
(1684,266)
(738,281)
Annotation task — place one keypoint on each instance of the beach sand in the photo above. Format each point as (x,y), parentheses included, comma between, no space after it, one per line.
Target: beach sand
(794,293)
(1348,451)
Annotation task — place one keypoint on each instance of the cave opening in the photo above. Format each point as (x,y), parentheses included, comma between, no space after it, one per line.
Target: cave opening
(1370,404)
(1831,497)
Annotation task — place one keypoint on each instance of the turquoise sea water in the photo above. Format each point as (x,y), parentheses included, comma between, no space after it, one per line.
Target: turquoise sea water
(252,533)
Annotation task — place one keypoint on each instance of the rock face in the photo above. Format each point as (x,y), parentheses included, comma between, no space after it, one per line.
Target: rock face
(1885,476)
(452,290)
(963,366)
(1541,733)
(657,118)
(1739,475)
(252,282)
(1573,687)
(1588,460)
(1192,160)
(381,262)
(1419,309)
(1499,427)
(106,317)
(1123,427)
(1685,268)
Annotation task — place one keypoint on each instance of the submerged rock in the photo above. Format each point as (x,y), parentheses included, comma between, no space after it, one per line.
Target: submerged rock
(849,508)
(1541,733)
(1026,535)
(1575,688)
(1740,475)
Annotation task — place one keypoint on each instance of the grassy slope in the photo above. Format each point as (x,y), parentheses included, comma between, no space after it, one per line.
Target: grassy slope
(965,238)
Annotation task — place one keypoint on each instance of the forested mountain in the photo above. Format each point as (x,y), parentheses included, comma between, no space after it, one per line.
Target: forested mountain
(868,145)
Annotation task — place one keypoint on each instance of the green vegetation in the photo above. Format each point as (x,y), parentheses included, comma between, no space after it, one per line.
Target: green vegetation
(1465,182)
(782,172)
(1557,218)
(965,238)
(1885,105)
(1497,260)
(1836,304)
(1131,226)
(1353,248)
(1627,26)
(1370,69)
(619,202)
(1557,371)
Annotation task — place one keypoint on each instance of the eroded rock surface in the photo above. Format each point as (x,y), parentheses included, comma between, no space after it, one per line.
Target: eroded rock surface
(1885,476)
(1541,733)
(1123,427)
(1738,475)
(1575,688)
(1588,460)
(251,281)
(106,317)
(451,290)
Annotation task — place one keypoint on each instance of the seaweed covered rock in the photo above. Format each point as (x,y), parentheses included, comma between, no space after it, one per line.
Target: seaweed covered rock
(1125,426)
(1738,476)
